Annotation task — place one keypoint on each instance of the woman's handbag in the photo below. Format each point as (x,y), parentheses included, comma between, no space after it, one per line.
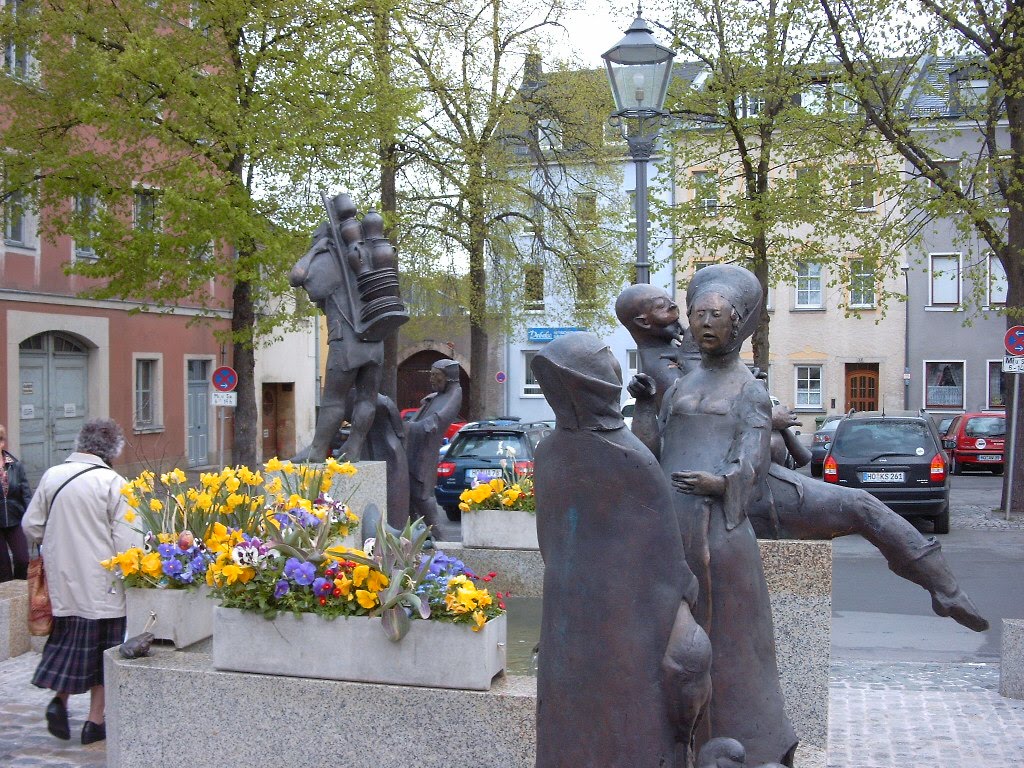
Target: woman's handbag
(40,616)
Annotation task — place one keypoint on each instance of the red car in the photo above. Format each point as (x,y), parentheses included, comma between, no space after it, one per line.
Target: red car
(408,414)
(976,441)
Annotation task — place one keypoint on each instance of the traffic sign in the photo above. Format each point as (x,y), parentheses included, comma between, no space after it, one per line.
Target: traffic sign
(224,399)
(500,377)
(225,379)
(1013,364)
(1014,340)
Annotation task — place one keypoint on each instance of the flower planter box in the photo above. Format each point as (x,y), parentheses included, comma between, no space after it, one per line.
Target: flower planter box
(183,616)
(436,654)
(499,529)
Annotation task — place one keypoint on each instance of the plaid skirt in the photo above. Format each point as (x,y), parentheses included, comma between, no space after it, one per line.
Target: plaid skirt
(73,655)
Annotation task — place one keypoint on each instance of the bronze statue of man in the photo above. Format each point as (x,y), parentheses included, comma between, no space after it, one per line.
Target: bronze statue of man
(623,667)
(350,274)
(424,435)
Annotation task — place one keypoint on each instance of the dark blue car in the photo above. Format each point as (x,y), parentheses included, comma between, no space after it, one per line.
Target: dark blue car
(484,450)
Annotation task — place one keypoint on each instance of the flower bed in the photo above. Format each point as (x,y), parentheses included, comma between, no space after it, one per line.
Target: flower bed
(182,616)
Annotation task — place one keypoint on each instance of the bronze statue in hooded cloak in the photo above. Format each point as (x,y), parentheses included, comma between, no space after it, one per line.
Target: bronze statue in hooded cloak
(623,667)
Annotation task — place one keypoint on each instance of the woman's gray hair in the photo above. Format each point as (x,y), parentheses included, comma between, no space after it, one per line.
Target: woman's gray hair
(101,437)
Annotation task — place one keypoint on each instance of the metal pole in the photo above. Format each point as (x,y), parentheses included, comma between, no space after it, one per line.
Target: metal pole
(906,340)
(220,437)
(641,148)
(1013,443)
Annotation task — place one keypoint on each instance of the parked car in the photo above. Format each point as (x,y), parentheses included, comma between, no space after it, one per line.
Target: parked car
(820,442)
(408,414)
(944,424)
(897,458)
(976,441)
(477,454)
(627,412)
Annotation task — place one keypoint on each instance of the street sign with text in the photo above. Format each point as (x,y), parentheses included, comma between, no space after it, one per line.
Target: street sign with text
(224,399)
(1013,364)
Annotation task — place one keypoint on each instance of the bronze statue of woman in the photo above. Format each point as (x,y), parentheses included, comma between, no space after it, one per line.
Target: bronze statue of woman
(715,425)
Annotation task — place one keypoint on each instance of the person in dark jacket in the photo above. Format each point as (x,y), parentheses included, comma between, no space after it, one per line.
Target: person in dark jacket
(15,494)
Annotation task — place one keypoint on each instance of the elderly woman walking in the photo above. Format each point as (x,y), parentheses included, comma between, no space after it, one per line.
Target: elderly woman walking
(77,517)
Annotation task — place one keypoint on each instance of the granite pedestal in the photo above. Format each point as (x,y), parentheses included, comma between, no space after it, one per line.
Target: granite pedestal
(156,704)
(1011,659)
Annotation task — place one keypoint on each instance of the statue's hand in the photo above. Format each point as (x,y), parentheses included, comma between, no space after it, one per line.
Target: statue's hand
(642,386)
(782,418)
(699,483)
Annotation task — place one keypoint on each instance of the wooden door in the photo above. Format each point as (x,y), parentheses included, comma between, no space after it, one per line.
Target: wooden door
(862,387)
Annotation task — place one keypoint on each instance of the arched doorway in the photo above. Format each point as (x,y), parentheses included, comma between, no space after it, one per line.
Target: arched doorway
(414,380)
(54,396)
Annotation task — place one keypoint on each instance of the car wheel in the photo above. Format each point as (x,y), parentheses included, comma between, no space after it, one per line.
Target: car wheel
(817,470)
(454,514)
(997,470)
(942,522)
(954,466)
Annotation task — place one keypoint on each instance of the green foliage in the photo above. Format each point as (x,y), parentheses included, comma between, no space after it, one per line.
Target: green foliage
(773,157)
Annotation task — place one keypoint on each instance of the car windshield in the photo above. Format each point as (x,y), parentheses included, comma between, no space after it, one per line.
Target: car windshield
(900,438)
(488,445)
(985,426)
(628,408)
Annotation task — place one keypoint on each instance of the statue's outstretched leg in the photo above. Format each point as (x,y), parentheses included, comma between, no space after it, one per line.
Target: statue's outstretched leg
(811,509)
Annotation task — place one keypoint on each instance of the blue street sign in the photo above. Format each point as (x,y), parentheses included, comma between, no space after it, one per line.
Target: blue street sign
(543,335)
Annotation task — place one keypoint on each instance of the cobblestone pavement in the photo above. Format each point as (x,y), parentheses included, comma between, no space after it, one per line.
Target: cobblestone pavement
(882,715)
(981,518)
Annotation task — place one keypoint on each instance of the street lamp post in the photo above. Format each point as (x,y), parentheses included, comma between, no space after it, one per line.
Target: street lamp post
(905,269)
(639,70)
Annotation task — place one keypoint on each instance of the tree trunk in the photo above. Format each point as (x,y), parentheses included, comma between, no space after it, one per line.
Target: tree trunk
(243,321)
(478,340)
(760,338)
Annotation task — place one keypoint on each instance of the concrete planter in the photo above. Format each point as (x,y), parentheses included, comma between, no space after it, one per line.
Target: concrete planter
(435,654)
(183,616)
(499,529)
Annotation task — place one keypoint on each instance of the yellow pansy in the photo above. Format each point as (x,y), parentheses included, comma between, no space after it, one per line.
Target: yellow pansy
(366,599)
(151,565)
(377,581)
(359,574)
(478,620)
(497,485)
(344,585)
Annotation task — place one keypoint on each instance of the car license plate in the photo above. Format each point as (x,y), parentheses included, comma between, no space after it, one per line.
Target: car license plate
(883,477)
(990,457)
(482,474)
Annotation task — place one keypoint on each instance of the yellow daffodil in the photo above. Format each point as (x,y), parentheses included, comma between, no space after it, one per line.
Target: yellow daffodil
(129,516)
(478,620)
(155,505)
(272,465)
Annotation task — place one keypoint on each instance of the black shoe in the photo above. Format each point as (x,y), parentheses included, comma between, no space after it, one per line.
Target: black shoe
(93,732)
(57,719)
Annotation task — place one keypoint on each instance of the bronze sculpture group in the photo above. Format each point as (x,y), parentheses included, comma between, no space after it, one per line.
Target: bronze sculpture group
(703,415)
(656,638)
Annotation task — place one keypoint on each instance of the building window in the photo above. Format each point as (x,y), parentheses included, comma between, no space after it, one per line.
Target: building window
(944,277)
(808,386)
(586,288)
(18,59)
(808,180)
(16,221)
(808,286)
(86,214)
(749,106)
(632,361)
(950,169)
(996,393)
(533,293)
(146,217)
(530,386)
(549,134)
(944,384)
(862,188)
(997,286)
(705,191)
(862,284)
(585,206)
(147,392)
